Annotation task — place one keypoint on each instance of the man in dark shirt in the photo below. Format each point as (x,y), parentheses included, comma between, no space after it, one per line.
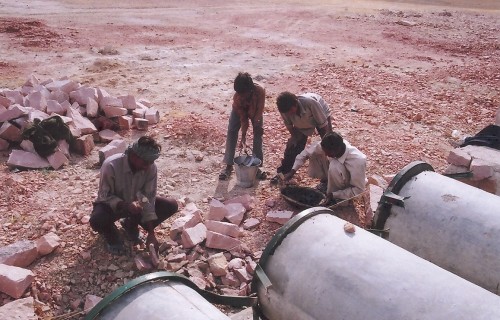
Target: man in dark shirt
(248,105)
(127,190)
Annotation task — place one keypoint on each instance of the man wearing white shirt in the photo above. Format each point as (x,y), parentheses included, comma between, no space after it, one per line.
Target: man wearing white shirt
(335,161)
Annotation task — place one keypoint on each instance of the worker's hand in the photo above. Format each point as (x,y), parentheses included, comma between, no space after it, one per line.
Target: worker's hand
(128,208)
(243,145)
(152,239)
(289,175)
(328,200)
(134,208)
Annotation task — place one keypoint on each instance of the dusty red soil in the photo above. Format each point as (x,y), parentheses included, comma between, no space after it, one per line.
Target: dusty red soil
(396,91)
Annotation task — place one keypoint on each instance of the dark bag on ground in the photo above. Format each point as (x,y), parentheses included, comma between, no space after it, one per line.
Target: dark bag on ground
(488,137)
(45,134)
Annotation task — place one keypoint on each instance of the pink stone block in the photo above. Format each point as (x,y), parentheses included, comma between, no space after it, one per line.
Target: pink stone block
(83,124)
(14,111)
(192,236)
(54,106)
(4,144)
(219,241)
(82,94)
(112,112)
(19,254)
(242,275)
(47,243)
(110,101)
(217,264)
(5,102)
(57,159)
(64,85)
(182,223)
(10,132)
(141,124)
(217,210)
(37,101)
(246,200)
(108,135)
(250,223)
(23,159)
(235,213)
(92,108)
(19,309)
(84,145)
(375,195)
(128,102)
(231,280)
(59,96)
(279,216)
(481,169)
(226,228)
(152,115)
(459,157)
(14,280)
(15,96)
(114,147)
(125,122)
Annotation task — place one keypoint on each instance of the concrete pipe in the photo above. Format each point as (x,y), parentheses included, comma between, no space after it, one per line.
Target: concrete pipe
(313,269)
(445,221)
(163,295)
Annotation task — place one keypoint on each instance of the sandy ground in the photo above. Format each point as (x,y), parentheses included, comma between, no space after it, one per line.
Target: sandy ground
(399,77)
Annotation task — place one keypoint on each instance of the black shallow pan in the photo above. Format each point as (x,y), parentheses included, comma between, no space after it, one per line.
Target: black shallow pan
(302,197)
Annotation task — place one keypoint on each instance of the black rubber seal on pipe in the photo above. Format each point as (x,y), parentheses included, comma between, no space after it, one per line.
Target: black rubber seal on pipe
(166,276)
(397,183)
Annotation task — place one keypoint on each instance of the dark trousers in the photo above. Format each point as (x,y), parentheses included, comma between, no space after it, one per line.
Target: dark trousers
(103,218)
(295,144)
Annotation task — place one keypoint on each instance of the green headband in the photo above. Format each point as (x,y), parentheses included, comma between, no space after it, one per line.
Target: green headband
(146,153)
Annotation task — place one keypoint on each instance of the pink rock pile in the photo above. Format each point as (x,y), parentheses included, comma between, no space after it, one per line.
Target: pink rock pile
(92,114)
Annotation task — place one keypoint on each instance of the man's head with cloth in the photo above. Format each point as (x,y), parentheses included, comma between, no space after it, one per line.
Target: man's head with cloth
(143,153)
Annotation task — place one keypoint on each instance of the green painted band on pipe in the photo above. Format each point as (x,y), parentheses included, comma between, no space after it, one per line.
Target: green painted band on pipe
(235,301)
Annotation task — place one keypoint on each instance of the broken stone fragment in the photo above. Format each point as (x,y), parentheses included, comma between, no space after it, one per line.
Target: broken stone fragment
(349,227)
(14,280)
(47,243)
(90,302)
(279,216)
(19,309)
(218,264)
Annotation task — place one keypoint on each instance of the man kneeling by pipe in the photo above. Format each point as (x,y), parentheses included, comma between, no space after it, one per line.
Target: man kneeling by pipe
(340,167)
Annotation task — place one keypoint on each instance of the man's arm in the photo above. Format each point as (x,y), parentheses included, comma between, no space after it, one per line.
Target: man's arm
(301,159)
(244,121)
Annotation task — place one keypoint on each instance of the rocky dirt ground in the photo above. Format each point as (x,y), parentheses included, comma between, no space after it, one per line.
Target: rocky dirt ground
(400,77)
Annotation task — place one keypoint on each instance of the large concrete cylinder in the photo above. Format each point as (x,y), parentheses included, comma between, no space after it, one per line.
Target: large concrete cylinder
(313,269)
(445,221)
(157,296)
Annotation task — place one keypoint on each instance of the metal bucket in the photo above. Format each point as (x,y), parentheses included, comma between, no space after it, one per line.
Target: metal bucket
(246,168)
(445,221)
(162,295)
(313,269)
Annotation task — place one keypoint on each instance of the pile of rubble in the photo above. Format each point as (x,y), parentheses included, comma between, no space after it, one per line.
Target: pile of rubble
(91,114)
(206,247)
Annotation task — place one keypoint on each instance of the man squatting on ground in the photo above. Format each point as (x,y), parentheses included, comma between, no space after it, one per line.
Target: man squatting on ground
(127,191)
(301,115)
(248,104)
(337,162)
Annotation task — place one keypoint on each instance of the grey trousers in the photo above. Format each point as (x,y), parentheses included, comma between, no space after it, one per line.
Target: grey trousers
(233,129)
